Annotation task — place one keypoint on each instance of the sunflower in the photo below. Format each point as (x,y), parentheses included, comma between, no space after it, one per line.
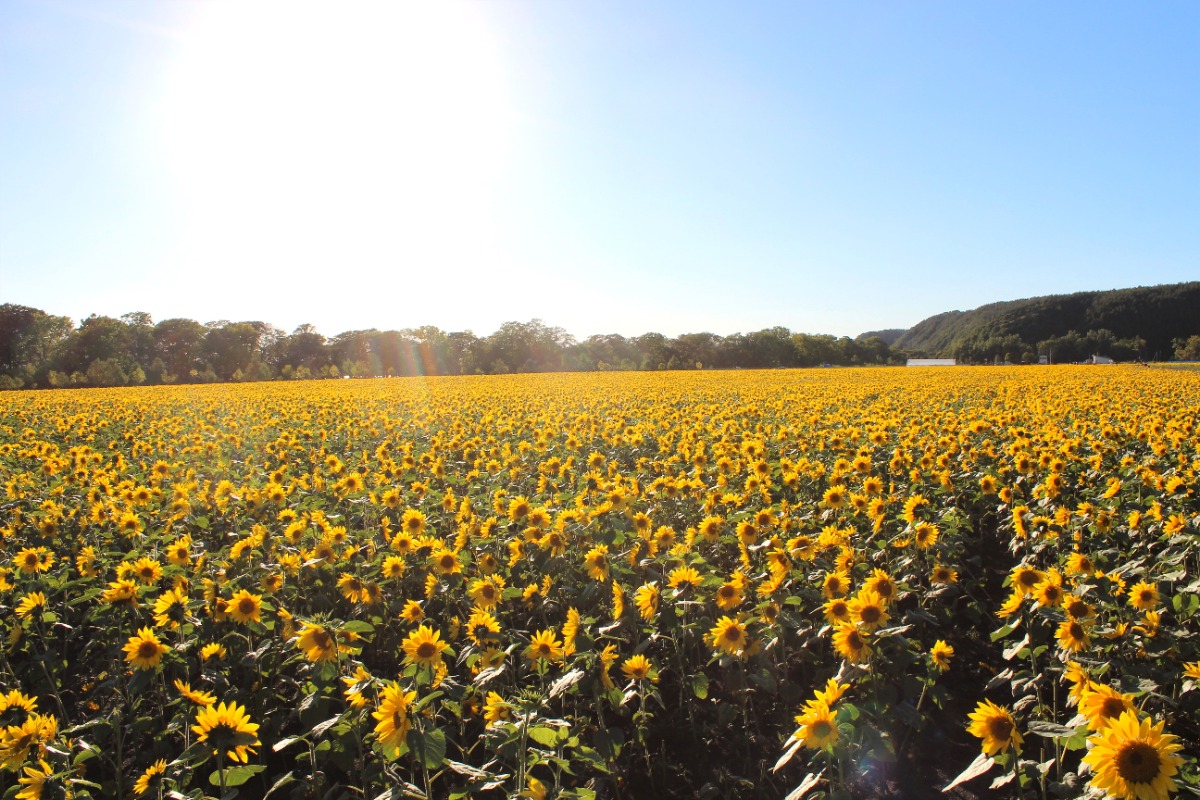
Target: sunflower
(818,729)
(729,596)
(351,586)
(925,535)
(1101,704)
(683,578)
(244,607)
(1077,608)
(1025,578)
(596,563)
(170,609)
(199,697)
(424,646)
(851,643)
(17,742)
(544,645)
(941,653)
(317,643)
(227,727)
(881,584)
(646,599)
(1049,592)
(482,627)
(995,726)
(941,574)
(496,709)
(836,584)
(837,610)
(835,497)
(149,777)
(412,612)
(34,781)
(144,650)
(1079,564)
(1134,760)
(391,729)
(412,522)
(32,560)
(519,508)
(729,636)
(869,611)
(1143,596)
(638,668)
(1073,636)
(445,562)
(30,603)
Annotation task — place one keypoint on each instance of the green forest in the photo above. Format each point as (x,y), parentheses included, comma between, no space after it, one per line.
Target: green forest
(1145,324)
(43,350)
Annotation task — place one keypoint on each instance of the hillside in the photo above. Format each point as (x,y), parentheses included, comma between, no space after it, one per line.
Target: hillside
(1138,323)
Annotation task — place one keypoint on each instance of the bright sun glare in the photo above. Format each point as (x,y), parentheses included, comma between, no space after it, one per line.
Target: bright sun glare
(362,140)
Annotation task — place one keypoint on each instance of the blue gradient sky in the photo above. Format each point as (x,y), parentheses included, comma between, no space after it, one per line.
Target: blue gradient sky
(604,166)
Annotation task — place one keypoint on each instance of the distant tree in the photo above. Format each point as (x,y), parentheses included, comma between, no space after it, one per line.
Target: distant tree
(178,342)
(1187,349)
(106,372)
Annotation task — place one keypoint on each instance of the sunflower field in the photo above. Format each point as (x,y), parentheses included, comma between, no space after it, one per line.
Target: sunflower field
(983,582)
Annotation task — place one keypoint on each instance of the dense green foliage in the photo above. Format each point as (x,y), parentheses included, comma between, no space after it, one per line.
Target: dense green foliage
(1142,323)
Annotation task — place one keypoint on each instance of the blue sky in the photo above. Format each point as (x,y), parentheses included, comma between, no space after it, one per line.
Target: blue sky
(603,166)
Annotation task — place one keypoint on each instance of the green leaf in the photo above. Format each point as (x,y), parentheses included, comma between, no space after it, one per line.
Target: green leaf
(236,776)
(429,746)
(359,626)
(544,736)
(700,685)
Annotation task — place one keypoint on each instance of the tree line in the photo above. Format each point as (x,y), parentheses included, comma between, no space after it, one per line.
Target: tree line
(1143,323)
(41,350)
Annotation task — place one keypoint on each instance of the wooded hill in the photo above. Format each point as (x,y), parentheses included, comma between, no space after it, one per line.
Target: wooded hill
(1142,323)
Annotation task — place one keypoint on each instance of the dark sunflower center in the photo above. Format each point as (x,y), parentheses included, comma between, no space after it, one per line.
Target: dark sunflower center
(1000,728)
(246,606)
(1112,707)
(448,562)
(1138,762)
(426,650)
(853,641)
(1051,594)
(147,650)
(1077,608)
(870,614)
(822,728)
(733,633)
(322,640)
(1076,631)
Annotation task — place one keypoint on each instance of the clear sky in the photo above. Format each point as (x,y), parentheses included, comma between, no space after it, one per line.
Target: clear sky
(607,166)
